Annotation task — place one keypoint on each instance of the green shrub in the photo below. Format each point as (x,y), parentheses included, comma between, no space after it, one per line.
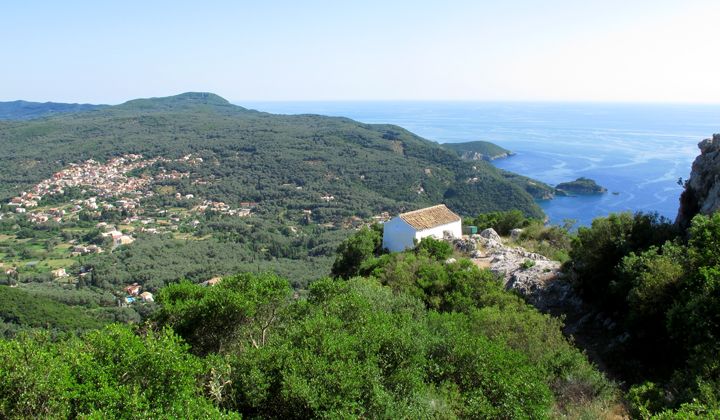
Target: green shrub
(502,221)
(527,264)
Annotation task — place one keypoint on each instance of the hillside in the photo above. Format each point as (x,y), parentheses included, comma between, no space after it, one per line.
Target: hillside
(478,150)
(24,110)
(282,162)
(191,186)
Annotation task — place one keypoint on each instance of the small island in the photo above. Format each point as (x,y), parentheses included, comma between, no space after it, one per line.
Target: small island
(581,186)
(478,150)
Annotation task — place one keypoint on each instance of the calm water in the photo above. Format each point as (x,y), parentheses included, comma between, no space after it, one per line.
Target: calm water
(637,151)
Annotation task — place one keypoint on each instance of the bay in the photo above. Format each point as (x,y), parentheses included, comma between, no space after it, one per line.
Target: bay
(637,151)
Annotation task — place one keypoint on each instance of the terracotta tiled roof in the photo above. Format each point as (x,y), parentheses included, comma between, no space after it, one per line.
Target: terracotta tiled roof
(429,217)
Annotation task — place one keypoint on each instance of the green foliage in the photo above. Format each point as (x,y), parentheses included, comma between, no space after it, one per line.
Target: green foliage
(527,264)
(597,251)
(358,350)
(353,348)
(368,168)
(365,243)
(157,260)
(440,286)
(651,281)
(551,241)
(435,248)
(34,380)
(501,221)
(24,110)
(27,310)
(240,311)
(109,373)
(663,297)
(581,186)
(492,380)
(497,314)
(475,150)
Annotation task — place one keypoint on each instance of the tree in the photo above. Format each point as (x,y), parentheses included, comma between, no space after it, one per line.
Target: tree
(364,244)
(438,249)
(239,311)
(597,251)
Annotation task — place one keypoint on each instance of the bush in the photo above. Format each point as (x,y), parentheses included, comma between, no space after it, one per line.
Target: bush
(238,311)
(109,373)
(502,221)
(437,249)
(366,243)
(597,251)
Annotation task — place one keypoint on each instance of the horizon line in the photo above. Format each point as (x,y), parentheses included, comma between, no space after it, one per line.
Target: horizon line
(240,102)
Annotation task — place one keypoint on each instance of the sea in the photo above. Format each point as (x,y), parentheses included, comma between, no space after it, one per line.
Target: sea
(640,152)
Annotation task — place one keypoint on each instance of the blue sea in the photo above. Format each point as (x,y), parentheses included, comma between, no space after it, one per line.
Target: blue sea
(637,151)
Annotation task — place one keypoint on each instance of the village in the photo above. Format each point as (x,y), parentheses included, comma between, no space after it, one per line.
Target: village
(110,186)
(125,187)
(92,189)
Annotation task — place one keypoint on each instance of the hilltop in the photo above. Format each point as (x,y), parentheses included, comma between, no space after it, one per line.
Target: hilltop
(280,161)
(191,186)
(478,150)
(24,110)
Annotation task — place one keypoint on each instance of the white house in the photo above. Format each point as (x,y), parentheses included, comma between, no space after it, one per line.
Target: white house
(403,231)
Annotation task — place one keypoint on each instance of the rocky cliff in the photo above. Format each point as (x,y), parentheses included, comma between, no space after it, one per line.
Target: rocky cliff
(702,189)
(541,282)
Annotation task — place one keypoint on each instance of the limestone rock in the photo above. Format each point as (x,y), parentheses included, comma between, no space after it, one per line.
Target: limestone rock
(541,285)
(490,233)
(702,189)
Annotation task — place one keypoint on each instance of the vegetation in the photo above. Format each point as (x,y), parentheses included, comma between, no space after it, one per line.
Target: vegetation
(501,221)
(478,150)
(419,334)
(417,337)
(24,110)
(253,156)
(116,372)
(21,309)
(583,186)
(312,178)
(660,286)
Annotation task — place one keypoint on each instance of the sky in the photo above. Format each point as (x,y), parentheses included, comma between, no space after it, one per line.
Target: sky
(464,50)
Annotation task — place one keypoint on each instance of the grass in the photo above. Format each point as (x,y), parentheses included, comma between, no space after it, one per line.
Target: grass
(59,262)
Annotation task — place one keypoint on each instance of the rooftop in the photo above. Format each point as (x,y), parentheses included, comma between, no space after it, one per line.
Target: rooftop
(430,217)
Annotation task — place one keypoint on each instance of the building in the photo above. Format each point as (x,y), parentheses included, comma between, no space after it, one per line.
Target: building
(133,289)
(405,230)
(212,282)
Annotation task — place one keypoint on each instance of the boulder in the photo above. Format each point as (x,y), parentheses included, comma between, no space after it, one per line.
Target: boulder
(490,233)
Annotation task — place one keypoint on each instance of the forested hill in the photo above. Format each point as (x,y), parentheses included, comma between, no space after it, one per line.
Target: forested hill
(478,150)
(24,110)
(283,163)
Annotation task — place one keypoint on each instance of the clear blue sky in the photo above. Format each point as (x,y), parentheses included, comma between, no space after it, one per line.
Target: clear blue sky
(566,50)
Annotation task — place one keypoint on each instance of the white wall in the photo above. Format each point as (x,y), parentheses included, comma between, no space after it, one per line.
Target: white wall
(455,228)
(398,235)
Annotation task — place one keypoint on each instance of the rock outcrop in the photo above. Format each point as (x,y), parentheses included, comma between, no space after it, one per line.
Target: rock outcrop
(535,277)
(702,189)
(541,283)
